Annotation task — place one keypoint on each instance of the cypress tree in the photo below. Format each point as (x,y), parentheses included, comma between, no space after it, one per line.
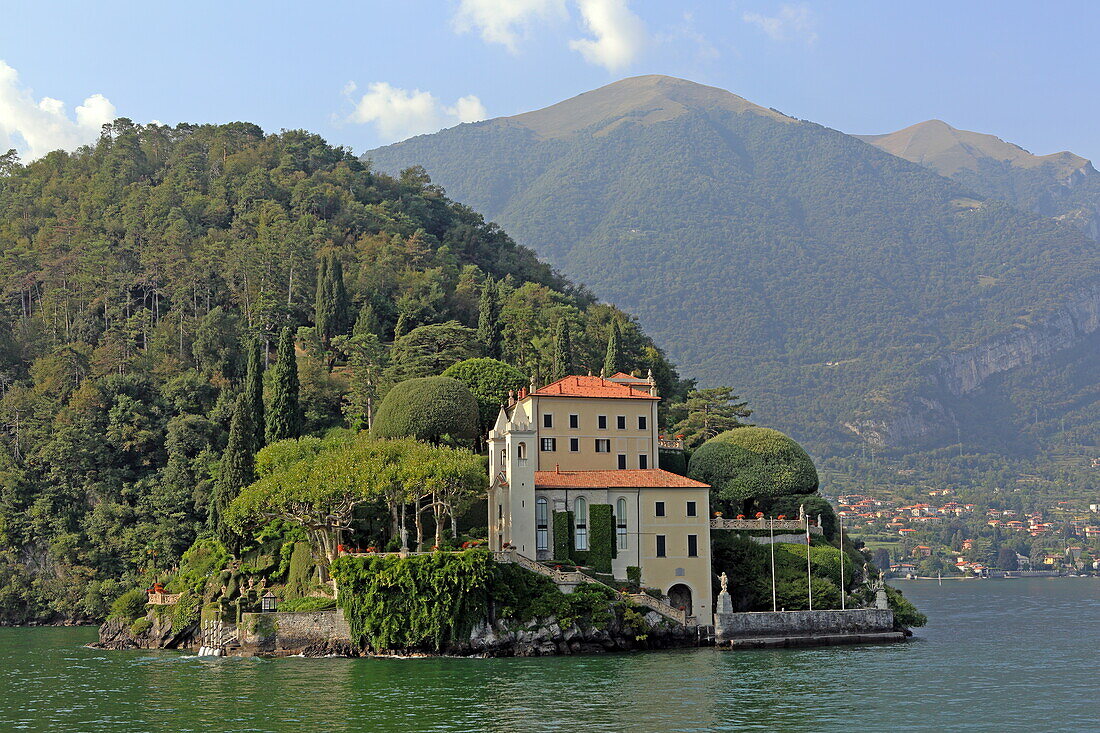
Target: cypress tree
(284,419)
(330,306)
(238,467)
(563,351)
(367,322)
(402,325)
(613,361)
(254,391)
(488,328)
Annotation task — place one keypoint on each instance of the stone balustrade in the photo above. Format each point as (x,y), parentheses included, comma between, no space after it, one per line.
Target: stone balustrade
(164,599)
(765,523)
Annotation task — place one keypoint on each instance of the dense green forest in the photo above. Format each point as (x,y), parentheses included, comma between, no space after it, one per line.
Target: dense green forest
(825,279)
(160,286)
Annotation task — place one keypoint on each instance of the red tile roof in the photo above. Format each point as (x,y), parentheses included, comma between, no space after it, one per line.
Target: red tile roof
(641,478)
(578,386)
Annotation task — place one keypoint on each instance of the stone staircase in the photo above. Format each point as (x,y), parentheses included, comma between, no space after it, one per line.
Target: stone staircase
(568,580)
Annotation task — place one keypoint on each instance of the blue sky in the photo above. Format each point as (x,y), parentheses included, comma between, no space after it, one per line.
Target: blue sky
(367,73)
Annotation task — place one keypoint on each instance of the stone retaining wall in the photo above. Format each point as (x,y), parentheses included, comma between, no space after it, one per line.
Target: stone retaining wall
(315,633)
(859,621)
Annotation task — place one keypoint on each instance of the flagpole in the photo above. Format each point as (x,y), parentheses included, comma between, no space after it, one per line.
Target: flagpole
(771,533)
(841,562)
(809,584)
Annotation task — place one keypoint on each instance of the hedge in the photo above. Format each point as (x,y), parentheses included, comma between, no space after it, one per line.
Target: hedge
(750,463)
(428,409)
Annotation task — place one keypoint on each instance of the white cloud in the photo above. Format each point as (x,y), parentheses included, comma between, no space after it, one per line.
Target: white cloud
(792,22)
(36,128)
(619,33)
(400,113)
(505,21)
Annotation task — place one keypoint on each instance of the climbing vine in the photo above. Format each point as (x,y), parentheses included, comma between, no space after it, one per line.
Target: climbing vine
(430,601)
(601,537)
(392,602)
(563,536)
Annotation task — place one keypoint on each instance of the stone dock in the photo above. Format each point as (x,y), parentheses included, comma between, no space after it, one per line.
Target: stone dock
(805,628)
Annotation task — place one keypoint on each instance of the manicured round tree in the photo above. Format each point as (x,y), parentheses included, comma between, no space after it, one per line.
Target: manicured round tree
(489,380)
(746,464)
(428,409)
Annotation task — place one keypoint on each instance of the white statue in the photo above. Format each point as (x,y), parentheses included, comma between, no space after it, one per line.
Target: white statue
(725,583)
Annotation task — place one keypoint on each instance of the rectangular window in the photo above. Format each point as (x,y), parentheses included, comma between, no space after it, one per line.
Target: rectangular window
(660,545)
(622,462)
(691,509)
(575,444)
(603,445)
(541,526)
(693,545)
(643,461)
(601,422)
(620,422)
(549,444)
(574,421)
(548,420)
(641,422)
(659,509)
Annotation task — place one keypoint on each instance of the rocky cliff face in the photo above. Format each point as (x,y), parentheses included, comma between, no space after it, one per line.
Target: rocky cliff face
(120,634)
(965,371)
(924,419)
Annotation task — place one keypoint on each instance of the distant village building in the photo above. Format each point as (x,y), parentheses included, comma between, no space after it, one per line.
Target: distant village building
(584,441)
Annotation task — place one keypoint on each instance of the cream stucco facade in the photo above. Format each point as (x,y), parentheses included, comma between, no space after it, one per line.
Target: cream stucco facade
(585,441)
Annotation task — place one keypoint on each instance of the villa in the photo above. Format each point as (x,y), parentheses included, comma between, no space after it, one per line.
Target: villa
(559,452)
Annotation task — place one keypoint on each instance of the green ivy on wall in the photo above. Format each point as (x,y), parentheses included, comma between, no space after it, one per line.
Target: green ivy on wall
(601,543)
(563,536)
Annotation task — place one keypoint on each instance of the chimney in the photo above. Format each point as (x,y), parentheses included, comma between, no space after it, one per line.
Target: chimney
(557,468)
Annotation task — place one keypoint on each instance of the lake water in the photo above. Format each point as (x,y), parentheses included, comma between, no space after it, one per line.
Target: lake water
(997,655)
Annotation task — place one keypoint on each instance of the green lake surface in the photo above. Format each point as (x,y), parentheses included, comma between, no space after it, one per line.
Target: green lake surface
(997,655)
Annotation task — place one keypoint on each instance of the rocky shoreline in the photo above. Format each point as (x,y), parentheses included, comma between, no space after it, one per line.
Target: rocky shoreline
(325,634)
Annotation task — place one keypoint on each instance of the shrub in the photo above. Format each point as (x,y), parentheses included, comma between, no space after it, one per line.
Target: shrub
(489,381)
(749,463)
(428,409)
(130,605)
(140,626)
(906,614)
(300,576)
(199,562)
(634,575)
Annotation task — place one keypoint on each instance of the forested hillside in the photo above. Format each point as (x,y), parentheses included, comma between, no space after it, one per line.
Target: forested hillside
(1061,185)
(135,274)
(843,290)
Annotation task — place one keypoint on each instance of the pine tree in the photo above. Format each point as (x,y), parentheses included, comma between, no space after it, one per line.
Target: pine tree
(563,351)
(613,362)
(284,419)
(254,391)
(402,325)
(488,327)
(238,467)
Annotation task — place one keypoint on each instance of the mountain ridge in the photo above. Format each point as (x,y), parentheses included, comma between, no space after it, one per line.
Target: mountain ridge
(840,277)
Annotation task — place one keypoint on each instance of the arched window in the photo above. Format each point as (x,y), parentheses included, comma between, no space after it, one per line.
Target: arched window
(503,458)
(521,451)
(580,524)
(541,527)
(620,522)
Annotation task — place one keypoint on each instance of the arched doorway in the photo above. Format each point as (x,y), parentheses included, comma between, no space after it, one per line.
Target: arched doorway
(679,596)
